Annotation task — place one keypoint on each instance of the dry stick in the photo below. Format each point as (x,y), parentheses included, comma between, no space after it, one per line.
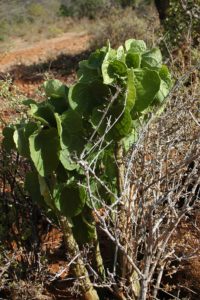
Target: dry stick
(158,281)
(165,240)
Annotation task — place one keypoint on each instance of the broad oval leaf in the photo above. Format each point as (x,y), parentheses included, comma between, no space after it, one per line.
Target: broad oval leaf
(86,73)
(21,138)
(123,125)
(116,124)
(46,193)
(44,150)
(55,89)
(129,140)
(59,105)
(135,45)
(71,138)
(84,97)
(152,59)
(96,58)
(133,60)
(43,113)
(163,92)
(117,68)
(84,229)
(69,199)
(71,121)
(147,84)
(165,75)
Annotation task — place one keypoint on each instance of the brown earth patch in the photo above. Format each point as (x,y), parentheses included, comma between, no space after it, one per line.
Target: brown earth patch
(31,54)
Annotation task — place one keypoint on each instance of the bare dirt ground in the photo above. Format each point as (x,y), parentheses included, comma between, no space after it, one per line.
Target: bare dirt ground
(28,65)
(24,54)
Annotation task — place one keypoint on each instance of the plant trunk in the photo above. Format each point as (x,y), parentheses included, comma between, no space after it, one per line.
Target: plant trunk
(162,7)
(128,275)
(98,259)
(78,268)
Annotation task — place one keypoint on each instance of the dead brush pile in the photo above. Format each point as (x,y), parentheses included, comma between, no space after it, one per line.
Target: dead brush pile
(166,189)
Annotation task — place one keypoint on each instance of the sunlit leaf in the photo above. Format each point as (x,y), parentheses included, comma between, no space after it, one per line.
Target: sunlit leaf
(44,150)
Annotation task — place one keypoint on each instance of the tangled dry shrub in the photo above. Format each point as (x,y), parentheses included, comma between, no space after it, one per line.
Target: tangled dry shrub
(166,193)
(122,24)
(182,22)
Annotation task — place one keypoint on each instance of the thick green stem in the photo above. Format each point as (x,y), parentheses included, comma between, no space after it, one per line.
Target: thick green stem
(128,275)
(78,268)
(98,258)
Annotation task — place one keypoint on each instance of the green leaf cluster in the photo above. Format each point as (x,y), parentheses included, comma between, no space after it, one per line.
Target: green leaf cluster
(115,90)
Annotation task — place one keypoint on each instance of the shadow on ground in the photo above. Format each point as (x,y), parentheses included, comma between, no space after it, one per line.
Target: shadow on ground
(62,66)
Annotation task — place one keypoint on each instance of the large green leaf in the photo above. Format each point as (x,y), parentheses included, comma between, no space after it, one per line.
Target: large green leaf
(8,142)
(59,104)
(152,59)
(66,160)
(84,97)
(135,45)
(165,75)
(147,84)
(84,229)
(165,85)
(163,92)
(117,68)
(96,58)
(40,193)
(123,125)
(21,137)
(119,120)
(62,175)
(133,59)
(69,199)
(86,73)
(55,89)
(71,138)
(79,97)
(72,146)
(44,150)
(44,113)
(71,121)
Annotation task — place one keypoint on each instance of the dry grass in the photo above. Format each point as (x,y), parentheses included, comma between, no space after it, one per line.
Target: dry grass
(122,24)
(33,22)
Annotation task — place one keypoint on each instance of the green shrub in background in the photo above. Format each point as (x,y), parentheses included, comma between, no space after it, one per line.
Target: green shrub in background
(36,10)
(120,25)
(183,22)
(84,8)
(92,8)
